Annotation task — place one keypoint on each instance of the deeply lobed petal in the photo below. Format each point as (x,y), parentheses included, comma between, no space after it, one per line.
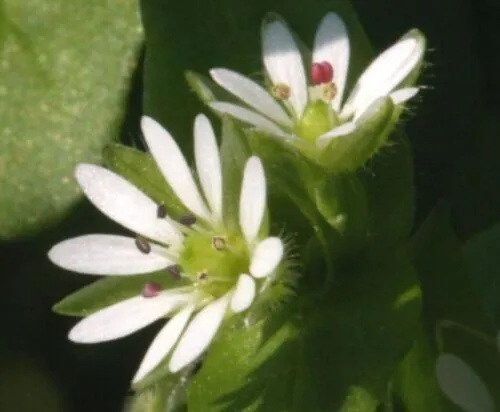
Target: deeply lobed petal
(251,117)
(386,72)
(126,317)
(173,166)
(208,164)
(124,203)
(283,62)
(163,342)
(244,294)
(331,44)
(199,334)
(107,255)
(252,199)
(252,94)
(266,257)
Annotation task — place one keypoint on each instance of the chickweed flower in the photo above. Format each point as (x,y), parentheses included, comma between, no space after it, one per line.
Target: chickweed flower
(306,105)
(222,269)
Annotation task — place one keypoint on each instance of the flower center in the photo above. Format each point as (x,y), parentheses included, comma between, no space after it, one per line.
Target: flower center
(318,118)
(321,73)
(214,262)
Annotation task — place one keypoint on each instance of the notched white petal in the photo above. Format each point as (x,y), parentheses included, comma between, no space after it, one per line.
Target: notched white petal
(173,166)
(125,317)
(208,164)
(343,130)
(266,257)
(283,62)
(251,117)
(199,334)
(252,94)
(107,255)
(244,294)
(462,385)
(163,343)
(124,203)
(387,71)
(252,198)
(331,44)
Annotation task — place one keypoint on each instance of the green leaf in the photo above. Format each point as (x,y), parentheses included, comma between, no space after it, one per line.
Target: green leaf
(140,169)
(109,290)
(481,252)
(337,352)
(62,86)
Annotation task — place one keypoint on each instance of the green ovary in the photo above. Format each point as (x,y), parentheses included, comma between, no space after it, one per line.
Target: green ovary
(318,118)
(216,270)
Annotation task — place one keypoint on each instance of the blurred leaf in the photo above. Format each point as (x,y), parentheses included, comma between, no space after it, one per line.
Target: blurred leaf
(140,169)
(64,72)
(109,290)
(335,353)
(483,258)
(454,316)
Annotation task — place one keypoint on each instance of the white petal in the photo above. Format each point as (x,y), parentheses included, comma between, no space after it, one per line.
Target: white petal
(266,257)
(249,116)
(403,95)
(199,334)
(252,94)
(462,385)
(206,153)
(386,72)
(252,198)
(107,255)
(331,44)
(173,166)
(125,317)
(244,294)
(124,203)
(283,63)
(345,129)
(163,343)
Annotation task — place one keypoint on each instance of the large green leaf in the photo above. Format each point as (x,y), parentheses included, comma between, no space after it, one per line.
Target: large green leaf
(64,71)
(331,353)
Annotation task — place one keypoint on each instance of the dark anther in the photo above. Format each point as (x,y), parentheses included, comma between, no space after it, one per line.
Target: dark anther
(161,212)
(142,244)
(174,271)
(187,220)
(202,276)
(219,243)
(151,289)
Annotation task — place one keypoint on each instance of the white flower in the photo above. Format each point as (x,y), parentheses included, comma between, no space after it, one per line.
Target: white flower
(286,112)
(223,268)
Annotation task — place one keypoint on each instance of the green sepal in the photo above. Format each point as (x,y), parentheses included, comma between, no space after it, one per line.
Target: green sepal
(234,153)
(167,395)
(206,89)
(337,352)
(140,169)
(341,199)
(350,152)
(110,290)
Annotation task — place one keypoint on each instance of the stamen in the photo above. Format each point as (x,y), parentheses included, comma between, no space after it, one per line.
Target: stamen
(142,244)
(321,73)
(187,220)
(161,212)
(281,91)
(329,91)
(150,290)
(174,271)
(219,242)
(202,276)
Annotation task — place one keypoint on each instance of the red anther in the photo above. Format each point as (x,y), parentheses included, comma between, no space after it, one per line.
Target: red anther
(321,73)
(150,290)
